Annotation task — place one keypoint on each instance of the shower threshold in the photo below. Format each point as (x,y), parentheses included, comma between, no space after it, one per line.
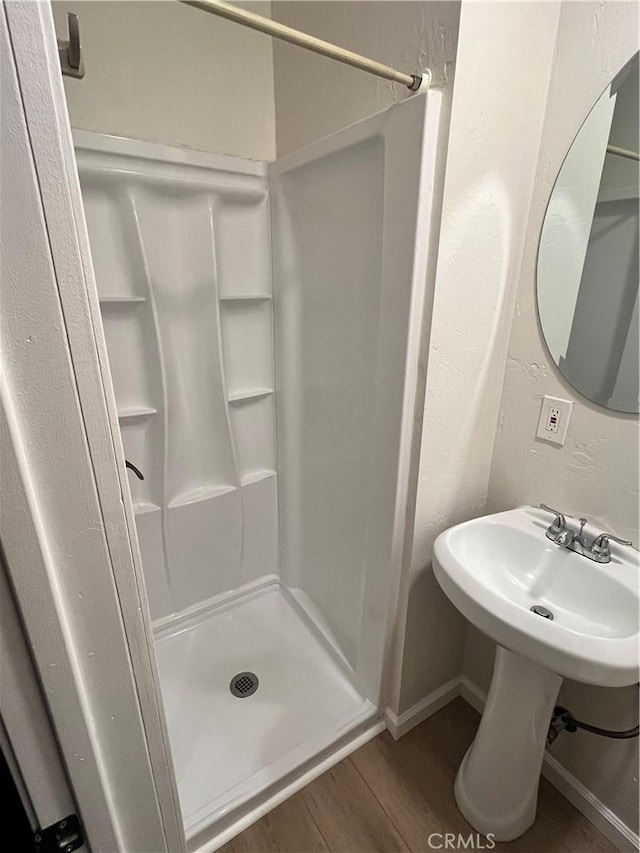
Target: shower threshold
(232,752)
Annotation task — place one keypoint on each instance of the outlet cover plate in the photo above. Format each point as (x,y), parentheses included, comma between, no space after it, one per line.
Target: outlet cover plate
(553,423)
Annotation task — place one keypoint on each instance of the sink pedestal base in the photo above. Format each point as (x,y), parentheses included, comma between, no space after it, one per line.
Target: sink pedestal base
(497,784)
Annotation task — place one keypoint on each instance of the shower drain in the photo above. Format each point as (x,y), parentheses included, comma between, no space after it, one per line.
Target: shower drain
(244,684)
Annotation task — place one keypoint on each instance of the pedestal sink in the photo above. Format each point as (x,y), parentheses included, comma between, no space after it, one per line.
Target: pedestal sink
(495,569)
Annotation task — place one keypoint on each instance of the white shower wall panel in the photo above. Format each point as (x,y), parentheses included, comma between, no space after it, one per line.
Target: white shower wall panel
(336,208)
(204,542)
(354,243)
(181,247)
(132,377)
(177,233)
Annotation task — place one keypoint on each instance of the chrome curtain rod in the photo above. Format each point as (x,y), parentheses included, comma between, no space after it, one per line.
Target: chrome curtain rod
(623,152)
(414,82)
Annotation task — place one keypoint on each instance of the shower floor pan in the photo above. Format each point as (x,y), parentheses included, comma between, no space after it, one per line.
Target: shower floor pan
(228,749)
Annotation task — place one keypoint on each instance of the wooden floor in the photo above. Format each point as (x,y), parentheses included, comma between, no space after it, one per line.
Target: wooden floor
(392,795)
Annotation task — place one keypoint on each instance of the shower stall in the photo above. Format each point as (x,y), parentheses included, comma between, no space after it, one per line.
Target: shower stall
(264,325)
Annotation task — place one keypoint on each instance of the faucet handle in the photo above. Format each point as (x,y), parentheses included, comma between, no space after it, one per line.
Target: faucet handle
(600,545)
(560,523)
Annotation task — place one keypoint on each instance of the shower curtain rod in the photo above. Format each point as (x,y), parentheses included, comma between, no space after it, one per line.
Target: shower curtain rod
(623,152)
(414,82)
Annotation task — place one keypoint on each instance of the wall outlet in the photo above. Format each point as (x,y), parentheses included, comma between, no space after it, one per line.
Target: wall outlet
(554,420)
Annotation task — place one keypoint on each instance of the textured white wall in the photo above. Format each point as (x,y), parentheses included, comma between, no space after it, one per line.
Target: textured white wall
(496,124)
(315,95)
(596,473)
(164,72)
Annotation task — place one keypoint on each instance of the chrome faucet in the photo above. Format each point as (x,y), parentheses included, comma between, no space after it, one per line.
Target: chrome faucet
(558,532)
(597,549)
(600,550)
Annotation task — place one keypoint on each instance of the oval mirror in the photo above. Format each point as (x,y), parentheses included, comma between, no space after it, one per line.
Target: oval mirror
(587,278)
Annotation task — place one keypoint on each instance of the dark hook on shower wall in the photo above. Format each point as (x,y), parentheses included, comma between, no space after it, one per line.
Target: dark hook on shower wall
(135,470)
(71,62)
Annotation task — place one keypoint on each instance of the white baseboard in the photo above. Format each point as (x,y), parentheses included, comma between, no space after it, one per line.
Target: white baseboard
(472,694)
(592,808)
(400,725)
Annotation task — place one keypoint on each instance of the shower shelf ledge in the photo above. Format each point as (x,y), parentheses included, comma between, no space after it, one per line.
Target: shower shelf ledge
(121,300)
(202,493)
(257,476)
(251,394)
(245,297)
(142,507)
(135,412)
(618,194)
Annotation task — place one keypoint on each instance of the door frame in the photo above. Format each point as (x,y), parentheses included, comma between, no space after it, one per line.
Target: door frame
(26,736)
(66,511)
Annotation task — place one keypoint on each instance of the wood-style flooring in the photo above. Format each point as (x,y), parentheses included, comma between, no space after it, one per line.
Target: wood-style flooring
(392,795)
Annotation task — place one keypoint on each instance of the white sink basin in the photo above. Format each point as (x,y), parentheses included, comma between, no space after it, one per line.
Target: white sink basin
(495,568)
